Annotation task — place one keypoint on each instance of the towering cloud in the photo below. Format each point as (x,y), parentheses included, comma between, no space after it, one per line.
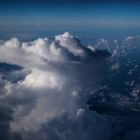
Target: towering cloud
(47,99)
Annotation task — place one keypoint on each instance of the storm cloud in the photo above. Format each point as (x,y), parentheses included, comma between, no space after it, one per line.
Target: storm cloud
(47,99)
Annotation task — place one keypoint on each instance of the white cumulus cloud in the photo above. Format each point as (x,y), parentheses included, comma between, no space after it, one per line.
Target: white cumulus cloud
(49,101)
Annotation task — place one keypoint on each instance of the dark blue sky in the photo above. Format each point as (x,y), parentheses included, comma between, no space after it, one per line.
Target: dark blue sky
(127,2)
(40,15)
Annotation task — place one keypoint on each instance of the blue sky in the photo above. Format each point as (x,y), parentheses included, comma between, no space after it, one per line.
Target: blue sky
(104,15)
(59,14)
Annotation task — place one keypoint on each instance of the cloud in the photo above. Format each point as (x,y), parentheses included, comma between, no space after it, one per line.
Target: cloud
(5,118)
(48,96)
